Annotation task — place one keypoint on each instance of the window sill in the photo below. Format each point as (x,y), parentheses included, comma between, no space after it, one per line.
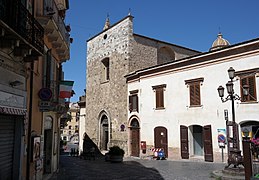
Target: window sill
(195,106)
(249,102)
(104,82)
(160,108)
(134,111)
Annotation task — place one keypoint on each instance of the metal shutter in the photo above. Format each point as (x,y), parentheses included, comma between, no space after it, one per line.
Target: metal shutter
(7,130)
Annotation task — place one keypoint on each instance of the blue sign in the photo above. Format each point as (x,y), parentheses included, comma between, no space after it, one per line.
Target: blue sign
(45,94)
(221,138)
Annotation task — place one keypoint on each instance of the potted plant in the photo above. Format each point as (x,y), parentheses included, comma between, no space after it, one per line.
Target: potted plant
(116,154)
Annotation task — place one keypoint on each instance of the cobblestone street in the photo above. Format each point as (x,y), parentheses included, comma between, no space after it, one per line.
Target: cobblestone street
(131,168)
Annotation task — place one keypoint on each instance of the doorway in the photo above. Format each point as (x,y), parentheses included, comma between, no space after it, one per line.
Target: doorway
(47,151)
(197,140)
(134,137)
(161,139)
(104,133)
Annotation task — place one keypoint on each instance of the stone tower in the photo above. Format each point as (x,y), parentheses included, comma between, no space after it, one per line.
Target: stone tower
(112,54)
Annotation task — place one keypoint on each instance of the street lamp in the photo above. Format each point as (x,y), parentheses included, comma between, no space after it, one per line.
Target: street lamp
(234,153)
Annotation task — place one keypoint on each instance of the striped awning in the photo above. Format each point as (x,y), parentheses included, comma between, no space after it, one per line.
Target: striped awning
(12,111)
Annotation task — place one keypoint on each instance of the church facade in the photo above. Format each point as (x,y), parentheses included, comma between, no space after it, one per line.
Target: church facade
(111,55)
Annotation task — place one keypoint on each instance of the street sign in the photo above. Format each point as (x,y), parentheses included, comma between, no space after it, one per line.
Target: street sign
(222,137)
(45,94)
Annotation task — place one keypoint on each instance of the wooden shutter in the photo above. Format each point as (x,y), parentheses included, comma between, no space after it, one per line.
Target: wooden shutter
(250,81)
(130,103)
(184,142)
(159,98)
(207,137)
(137,103)
(195,94)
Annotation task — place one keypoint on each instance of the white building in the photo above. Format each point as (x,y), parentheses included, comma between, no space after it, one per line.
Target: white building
(176,105)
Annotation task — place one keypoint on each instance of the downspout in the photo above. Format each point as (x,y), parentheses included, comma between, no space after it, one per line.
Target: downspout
(30,105)
(29,123)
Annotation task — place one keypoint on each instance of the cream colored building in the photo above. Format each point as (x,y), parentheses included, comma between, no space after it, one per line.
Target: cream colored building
(176,106)
(69,133)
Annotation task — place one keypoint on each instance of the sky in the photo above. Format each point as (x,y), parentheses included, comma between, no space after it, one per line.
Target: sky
(188,23)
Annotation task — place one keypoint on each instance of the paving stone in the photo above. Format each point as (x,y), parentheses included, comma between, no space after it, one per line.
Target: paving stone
(133,168)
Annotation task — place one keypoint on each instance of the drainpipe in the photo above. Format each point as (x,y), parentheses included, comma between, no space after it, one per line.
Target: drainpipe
(30,106)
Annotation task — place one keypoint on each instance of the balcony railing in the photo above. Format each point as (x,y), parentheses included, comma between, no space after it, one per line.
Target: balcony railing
(17,17)
(50,8)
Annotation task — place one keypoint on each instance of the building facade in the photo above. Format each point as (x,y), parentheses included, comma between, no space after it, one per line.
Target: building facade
(32,51)
(113,53)
(176,106)
(70,128)
(82,115)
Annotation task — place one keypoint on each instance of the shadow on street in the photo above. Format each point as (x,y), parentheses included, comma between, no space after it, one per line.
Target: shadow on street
(76,168)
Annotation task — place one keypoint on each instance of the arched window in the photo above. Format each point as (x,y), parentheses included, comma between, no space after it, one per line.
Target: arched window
(105,69)
(165,54)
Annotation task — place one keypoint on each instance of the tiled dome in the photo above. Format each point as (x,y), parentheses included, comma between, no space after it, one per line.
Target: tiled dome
(220,42)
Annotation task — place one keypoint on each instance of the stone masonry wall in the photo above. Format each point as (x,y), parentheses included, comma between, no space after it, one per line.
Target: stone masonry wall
(109,96)
(127,52)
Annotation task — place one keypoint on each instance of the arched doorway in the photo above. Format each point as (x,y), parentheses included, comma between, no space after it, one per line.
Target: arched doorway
(161,139)
(134,137)
(104,133)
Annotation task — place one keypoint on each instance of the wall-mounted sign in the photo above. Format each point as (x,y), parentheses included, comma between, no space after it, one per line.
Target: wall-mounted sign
(45,94)
(226,114)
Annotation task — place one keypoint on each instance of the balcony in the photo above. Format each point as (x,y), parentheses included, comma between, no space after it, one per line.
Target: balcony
(57,33)
(20,31)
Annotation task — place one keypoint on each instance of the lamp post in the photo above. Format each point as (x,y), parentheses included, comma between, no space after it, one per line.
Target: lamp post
(234,153)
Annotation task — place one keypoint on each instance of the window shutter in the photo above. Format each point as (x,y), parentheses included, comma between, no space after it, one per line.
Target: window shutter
(250,81)
(192,94)
(195,94)
(137,103)
(252,90)
(130,103)
(159,98)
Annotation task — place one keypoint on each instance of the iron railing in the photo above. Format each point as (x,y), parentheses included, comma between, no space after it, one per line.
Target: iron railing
(17,17)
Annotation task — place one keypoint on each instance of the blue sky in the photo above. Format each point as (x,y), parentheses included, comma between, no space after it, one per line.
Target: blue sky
(188,23)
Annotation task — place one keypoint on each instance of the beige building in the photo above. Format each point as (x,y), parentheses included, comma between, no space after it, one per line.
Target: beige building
(112,54)
(34,43)
(70,127)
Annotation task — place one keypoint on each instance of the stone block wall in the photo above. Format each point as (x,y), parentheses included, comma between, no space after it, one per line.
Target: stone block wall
(127,52)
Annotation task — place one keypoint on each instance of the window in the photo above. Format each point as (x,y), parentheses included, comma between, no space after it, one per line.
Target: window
(105,69)
(133,101)
(159,93)
(69,127)
(194,91)
(250,81)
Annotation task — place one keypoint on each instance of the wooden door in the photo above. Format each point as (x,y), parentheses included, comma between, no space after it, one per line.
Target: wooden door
(207,137)
(161,139)
(184,142)
(135,142)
